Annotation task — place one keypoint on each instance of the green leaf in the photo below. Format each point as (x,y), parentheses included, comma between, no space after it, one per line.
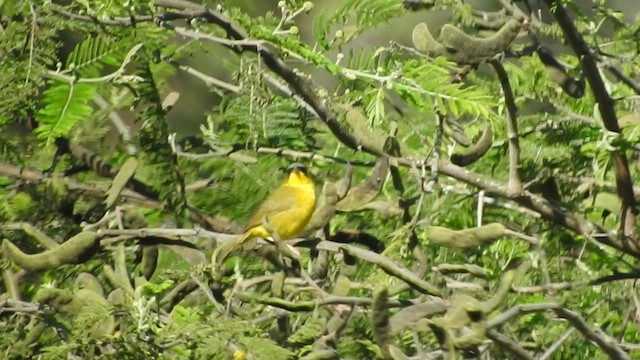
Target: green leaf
(264,349)
(89,56)
(151,288)
(64,105)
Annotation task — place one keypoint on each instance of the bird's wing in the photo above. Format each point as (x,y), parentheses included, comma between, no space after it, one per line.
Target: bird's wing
(281,199)
(222,252)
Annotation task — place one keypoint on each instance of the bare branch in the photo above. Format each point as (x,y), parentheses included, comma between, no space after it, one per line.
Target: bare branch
(511,346)
(556,345)
(520,310)
(597,336)
(117,121)
(311,305)
(385,264)
(514,185)
(207,79)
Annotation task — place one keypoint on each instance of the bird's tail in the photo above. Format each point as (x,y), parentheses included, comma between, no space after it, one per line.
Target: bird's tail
(222,252)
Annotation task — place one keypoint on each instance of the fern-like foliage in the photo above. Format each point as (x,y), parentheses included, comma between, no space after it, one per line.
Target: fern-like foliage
(27,50)
(89,57)
(369,13)
(63,104)
(356,16)
(432,81)
(66,100)
(7,212)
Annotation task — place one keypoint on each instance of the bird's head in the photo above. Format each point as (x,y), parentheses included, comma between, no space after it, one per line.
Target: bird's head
(297,175)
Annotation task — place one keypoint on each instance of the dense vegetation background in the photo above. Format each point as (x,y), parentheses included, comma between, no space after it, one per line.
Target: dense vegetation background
(474,162)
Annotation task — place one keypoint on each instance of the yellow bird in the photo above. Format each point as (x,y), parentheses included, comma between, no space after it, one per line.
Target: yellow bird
(288,209)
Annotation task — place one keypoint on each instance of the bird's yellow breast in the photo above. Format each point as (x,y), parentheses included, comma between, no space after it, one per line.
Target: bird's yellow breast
(288,209)
(287,224)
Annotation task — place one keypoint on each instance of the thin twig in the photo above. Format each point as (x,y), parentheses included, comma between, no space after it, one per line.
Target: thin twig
(207,79)
(556,344)
(32,38)
(617,73)
(207,291)
(597,336)
(118,21)
(311,305)
(632,275)
(311,156)
(117,121)
(273,151)
(11,305)
(520,310)
(511,346)
(384,263)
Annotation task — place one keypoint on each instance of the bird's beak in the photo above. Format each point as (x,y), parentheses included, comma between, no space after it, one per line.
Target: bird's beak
(296,173)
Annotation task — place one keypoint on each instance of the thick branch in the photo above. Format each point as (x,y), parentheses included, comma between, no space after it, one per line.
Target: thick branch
(515,185)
